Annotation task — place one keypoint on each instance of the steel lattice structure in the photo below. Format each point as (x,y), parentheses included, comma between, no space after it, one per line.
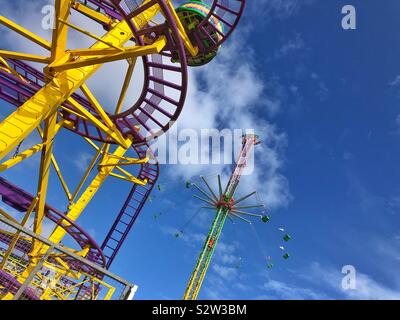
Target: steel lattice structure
(165,41)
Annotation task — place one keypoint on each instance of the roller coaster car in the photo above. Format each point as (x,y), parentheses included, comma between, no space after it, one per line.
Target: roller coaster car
(191,15)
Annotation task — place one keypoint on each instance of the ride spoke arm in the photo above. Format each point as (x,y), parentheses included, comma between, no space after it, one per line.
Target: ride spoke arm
(194,51)
(247,213)
(204,200)
(250,207)
(203,192)
(209,189)
(241,218)
(220,186)
(245,197)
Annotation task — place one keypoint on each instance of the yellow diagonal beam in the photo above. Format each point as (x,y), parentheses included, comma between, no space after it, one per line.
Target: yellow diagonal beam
(89,34)
(26,154)
(182,32)
(25,33)
(125,86)
(21,157)
(59,42)
(129,178)
(57,169)
(113,133)
(24,56)
(92,13)
(8,69)
(60,32)
(103,115)
(76,209)
(18,233)
(133,52)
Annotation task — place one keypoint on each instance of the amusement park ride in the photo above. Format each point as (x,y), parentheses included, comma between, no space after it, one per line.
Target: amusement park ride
(164,40)
(226,207)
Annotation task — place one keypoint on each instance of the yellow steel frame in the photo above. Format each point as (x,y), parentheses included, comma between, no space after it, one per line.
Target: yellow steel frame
(67,71)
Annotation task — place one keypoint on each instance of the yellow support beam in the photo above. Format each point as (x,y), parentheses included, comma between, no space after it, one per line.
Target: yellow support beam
(194,51)
(57,169)
(89,34)
(127,81)
(86,175)
(8,69)
(25,33)
(60,32)
(45,162)
(17,235)
(76,209)
(113,133)
(103,115)
(92,13)
(59,43)
(21,157)
(129,53)
(26,154)
(24,56)
(129,178)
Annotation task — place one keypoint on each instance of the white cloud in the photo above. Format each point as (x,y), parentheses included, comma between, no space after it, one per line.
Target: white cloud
(295,44)
(82,160)
(398,122)
(282,290)
(395,82)
(366,287)
(229,92)
(322,91)
(281,9)
(226,273)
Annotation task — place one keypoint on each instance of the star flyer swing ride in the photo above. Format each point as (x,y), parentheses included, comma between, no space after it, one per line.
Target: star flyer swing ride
(164,41)
(227,207)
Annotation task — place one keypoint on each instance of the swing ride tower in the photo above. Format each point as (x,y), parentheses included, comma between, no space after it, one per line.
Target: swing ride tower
(55,98)
(226,207)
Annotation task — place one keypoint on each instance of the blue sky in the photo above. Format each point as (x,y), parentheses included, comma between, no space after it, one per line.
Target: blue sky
(326,104)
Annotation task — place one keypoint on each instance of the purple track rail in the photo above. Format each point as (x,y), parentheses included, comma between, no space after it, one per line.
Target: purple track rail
(16,91)
(20,200)
(12,285)
(229,13)
(131,208)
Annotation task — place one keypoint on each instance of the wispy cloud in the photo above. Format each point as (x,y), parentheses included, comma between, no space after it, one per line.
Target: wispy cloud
(229,93)
(366,287)
(82,160)
(292,45)
(281,9)
(281,290)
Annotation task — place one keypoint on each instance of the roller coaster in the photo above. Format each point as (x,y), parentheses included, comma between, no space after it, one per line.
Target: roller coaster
(51,95)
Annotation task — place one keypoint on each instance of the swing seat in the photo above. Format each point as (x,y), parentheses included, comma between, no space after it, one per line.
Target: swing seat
(265,219)
(286,256)
(287,237)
